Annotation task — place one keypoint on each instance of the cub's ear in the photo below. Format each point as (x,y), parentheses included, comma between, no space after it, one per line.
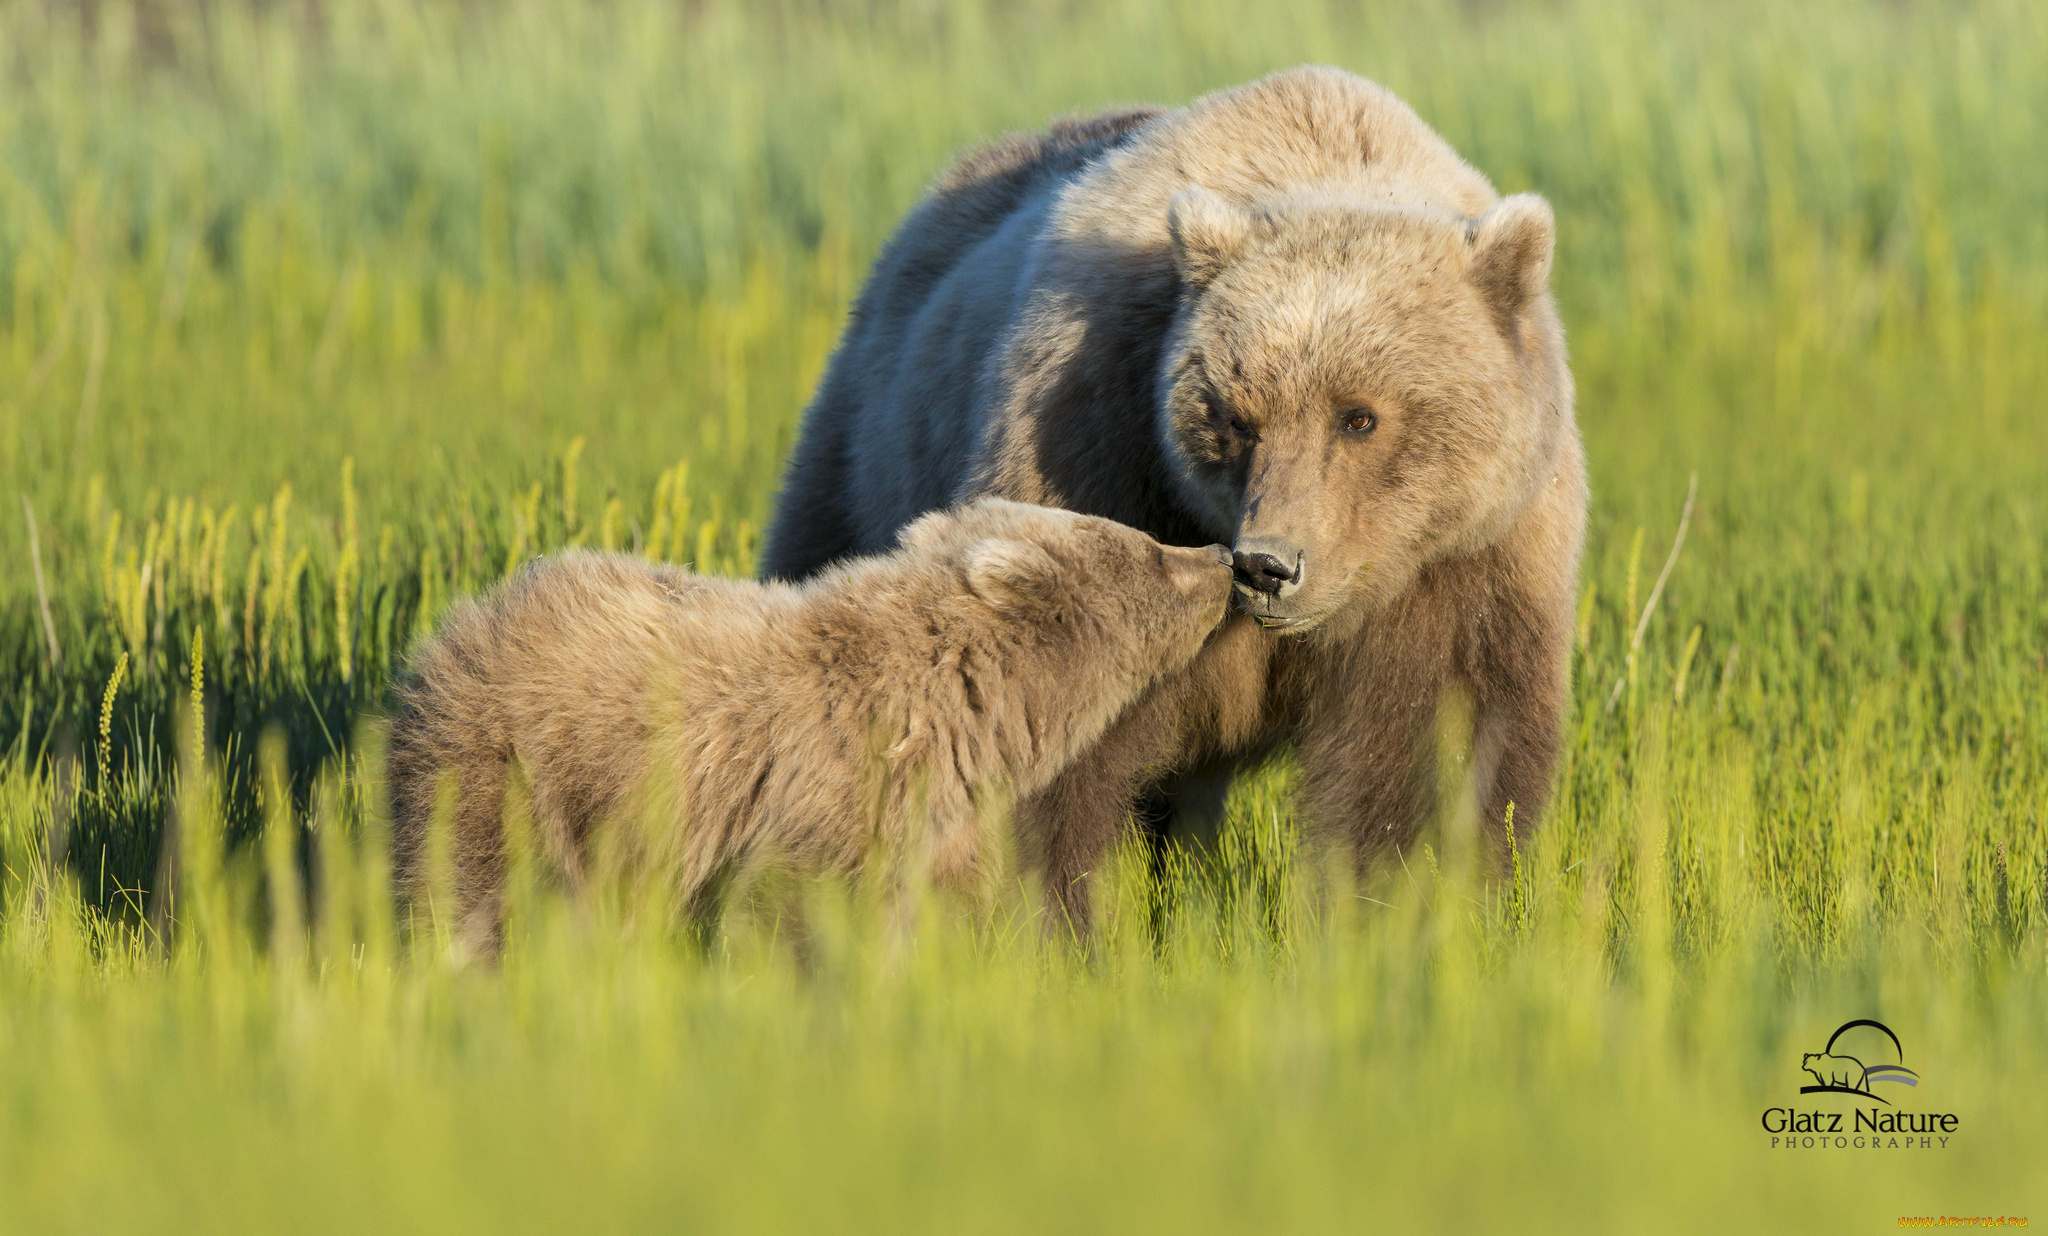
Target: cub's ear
(1208,232)
(926,532)
(1511,249)
(1013,575)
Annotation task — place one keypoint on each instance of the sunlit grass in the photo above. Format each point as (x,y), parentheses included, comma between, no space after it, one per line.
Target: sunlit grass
(304,335)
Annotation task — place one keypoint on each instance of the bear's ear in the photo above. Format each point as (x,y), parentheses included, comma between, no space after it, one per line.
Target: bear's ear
(1012,576)
(1207,234)
(1511,249)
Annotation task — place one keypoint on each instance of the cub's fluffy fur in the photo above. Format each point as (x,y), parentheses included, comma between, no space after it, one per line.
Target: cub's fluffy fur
(889,703)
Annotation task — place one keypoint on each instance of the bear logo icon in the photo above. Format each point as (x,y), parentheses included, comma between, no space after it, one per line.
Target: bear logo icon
(1847,1074)
(1844,1071)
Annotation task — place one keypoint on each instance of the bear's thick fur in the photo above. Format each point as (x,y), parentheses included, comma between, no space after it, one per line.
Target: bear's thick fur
(890,704)
(1289,316)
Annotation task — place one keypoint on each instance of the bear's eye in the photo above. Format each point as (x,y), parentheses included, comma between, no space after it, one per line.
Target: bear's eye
(1361,420)
(1241,427)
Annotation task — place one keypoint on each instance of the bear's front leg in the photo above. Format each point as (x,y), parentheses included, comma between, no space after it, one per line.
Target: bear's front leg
(1483,640)
(1517,734)
(1519,676)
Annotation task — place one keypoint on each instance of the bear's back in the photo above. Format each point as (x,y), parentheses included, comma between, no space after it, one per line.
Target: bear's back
(559,659)
(977,195)
(890,432)
(1309,130)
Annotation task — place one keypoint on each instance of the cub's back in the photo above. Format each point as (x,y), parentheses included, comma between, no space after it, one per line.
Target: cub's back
(553,668)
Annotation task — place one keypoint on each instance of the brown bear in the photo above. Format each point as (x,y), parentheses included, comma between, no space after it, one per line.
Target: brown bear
(813,723)
(1287,316)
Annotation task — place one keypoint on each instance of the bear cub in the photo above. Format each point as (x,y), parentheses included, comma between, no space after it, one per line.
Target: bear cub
(889,705)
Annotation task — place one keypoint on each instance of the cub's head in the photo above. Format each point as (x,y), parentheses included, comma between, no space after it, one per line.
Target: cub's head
(1112,598)
(1353,390)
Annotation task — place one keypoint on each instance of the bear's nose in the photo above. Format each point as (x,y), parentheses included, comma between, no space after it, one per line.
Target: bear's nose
(1262,570)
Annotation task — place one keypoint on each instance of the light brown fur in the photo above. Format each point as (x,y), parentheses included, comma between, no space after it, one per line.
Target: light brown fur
(1180,320)
(889,705)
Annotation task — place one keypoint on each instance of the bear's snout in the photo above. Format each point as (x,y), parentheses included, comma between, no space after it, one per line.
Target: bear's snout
(1268,566)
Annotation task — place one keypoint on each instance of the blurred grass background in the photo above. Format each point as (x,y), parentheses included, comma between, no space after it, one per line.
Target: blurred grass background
(315,316)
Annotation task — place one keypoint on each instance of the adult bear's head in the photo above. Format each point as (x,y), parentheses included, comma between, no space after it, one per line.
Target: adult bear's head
(1353,390)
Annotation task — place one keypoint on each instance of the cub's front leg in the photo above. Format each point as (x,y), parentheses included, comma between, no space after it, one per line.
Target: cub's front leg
(1214,710)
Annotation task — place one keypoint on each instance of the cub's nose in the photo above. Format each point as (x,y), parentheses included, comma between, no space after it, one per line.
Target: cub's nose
(1262,569)
(1223,556)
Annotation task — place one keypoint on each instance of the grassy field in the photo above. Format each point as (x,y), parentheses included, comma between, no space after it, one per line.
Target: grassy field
(318,317)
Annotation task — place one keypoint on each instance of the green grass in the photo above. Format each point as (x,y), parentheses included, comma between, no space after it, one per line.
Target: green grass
(307,331)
